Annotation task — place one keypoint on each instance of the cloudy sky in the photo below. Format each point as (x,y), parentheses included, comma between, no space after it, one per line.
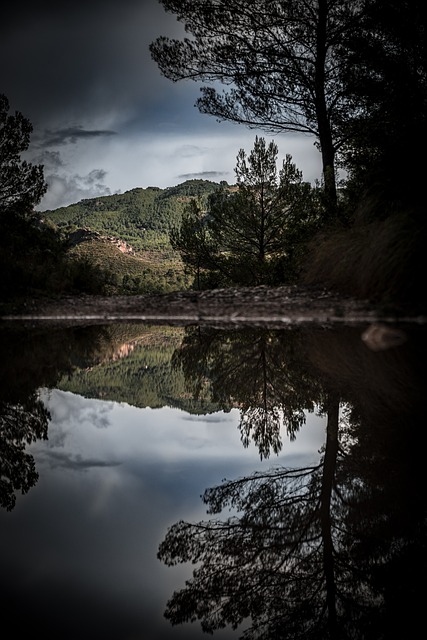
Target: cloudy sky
(105,120)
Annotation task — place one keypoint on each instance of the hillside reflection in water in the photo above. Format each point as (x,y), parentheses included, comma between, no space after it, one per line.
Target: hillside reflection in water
(109,436)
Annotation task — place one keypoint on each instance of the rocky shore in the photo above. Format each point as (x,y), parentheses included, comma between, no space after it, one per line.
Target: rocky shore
(263,306)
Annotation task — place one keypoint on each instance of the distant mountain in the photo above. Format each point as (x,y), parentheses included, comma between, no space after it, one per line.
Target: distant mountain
(128,234)
(141,217)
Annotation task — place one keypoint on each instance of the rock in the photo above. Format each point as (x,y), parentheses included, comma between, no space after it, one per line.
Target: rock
(378,337)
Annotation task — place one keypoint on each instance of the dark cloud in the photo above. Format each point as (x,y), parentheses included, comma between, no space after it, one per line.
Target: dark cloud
(203,175)
(68,189)
(95,177)
(76,462)
(70,61)
(81,60)
(71,135)
(209,418)
(51,159)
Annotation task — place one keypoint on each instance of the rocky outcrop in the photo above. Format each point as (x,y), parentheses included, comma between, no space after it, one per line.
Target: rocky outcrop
(88,235)
(120,244)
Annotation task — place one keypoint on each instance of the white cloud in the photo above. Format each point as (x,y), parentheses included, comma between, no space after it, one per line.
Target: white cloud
(110,432)
(161,159)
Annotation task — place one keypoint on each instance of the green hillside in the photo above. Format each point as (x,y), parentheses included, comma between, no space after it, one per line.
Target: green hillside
(137,368)
(140,218)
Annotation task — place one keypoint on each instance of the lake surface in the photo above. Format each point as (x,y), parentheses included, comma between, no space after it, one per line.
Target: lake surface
(162,482)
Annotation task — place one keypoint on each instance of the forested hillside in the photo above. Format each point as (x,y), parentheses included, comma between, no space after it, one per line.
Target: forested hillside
(141,219)
(138,367)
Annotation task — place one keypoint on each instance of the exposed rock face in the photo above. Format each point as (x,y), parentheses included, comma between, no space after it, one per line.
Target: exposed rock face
(120,244)
(88,235)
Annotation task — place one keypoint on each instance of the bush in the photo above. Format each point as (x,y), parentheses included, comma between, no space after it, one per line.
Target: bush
(377,260)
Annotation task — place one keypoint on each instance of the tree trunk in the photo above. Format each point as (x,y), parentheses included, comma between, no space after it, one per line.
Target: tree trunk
(329,465)
(324,127)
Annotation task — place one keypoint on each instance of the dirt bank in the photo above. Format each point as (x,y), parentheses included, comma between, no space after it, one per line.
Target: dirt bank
(278,306)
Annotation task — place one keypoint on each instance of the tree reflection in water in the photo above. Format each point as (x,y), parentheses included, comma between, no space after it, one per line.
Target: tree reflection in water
(20,424)
(32,360)
(260,372)
(333,551)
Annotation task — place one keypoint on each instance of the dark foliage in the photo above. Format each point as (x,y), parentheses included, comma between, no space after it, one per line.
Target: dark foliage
(22,184)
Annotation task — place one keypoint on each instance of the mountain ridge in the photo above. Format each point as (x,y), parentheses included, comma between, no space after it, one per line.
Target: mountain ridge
(127,235)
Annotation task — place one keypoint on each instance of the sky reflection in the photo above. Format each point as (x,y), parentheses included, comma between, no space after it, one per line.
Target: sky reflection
(82,544)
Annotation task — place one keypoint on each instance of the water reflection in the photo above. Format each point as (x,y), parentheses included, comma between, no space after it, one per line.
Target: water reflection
(261,372)
(31,360)
(331,549)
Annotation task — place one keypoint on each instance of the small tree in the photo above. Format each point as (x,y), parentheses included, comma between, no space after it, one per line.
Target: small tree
(192,241)
(251,236)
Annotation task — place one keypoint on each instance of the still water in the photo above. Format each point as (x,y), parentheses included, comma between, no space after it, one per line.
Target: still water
(164,482)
